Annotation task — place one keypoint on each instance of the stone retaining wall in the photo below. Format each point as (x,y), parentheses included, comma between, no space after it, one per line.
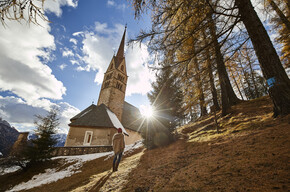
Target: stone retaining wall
(81,150)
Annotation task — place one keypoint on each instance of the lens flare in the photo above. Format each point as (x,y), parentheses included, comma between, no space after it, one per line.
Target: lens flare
(147,111)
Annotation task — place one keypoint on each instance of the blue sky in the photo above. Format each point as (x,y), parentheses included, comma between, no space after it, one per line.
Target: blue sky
(62,63)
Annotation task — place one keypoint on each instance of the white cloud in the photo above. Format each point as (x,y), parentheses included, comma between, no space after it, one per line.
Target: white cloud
(101,27)
(140,77)
(98,52)
(62,66)
(67,52)
(23,51)
(21,47)
(74,41)
(21,70)
(55,6)
(86,68)
(74,62)
(67,111)
(112,3)
(22,115)
(80,33)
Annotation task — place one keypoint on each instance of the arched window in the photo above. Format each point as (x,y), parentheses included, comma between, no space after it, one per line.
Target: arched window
(119,86)
(109,76)
(120,77)
(107,84)
(122,67)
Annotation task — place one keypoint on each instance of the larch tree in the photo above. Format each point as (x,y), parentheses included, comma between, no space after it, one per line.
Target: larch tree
(174,22)
(209,68)
(27,10)
(281,21)
(227,16)
(234,75)
(273,71)
(228,95)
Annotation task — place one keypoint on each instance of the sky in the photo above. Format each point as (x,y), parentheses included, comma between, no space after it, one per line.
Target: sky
(62,62)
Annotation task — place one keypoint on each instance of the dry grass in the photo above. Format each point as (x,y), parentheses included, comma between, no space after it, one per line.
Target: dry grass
(250,153)
(246,116)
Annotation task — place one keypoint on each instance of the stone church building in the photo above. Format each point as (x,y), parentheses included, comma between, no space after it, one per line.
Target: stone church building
(96,125)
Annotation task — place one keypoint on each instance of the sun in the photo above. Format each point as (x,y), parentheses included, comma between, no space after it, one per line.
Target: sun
(147,111)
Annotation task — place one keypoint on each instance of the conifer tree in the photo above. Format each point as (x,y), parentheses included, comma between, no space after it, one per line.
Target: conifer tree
(45,127)
(166,100)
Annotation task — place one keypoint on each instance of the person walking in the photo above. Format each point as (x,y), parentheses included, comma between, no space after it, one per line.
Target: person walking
(118,147)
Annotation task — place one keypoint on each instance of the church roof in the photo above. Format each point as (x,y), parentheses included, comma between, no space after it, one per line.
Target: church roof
(120,54)
(97,116)
(131,117)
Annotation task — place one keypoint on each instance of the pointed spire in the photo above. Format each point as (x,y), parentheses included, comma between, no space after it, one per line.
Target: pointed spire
(120,53)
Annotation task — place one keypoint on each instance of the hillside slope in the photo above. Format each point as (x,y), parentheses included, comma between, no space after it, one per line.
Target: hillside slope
(250,153)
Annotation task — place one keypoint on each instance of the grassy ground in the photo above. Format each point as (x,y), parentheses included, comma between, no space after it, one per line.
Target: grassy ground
(250,153)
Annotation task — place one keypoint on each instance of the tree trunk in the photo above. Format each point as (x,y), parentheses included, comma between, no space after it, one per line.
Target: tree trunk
(242,85)
(236,83)
(247,80)
(211,82)
(257,94)
(283,18)
(211,79)
(279,84)
(198,80)
(228,95)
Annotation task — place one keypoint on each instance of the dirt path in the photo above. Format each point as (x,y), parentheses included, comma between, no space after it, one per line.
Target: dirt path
(112,181)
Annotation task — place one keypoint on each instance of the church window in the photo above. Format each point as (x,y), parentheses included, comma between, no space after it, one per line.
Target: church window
(109,76)
(88,138)
(119,86)
(122,67)
(111,66)
(120,77)
(107,84)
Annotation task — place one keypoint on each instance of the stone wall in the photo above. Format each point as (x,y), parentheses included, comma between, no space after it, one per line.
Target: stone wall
(81,150)
(100,136)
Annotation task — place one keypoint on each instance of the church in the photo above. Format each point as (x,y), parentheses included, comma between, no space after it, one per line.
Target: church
(96,125)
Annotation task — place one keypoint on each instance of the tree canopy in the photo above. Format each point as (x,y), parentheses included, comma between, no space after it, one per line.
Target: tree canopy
(195,37)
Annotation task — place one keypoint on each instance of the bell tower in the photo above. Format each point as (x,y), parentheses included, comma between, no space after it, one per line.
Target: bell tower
(113,88)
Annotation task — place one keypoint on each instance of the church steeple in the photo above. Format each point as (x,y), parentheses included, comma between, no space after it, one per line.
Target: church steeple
(120,52)
(115,82)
